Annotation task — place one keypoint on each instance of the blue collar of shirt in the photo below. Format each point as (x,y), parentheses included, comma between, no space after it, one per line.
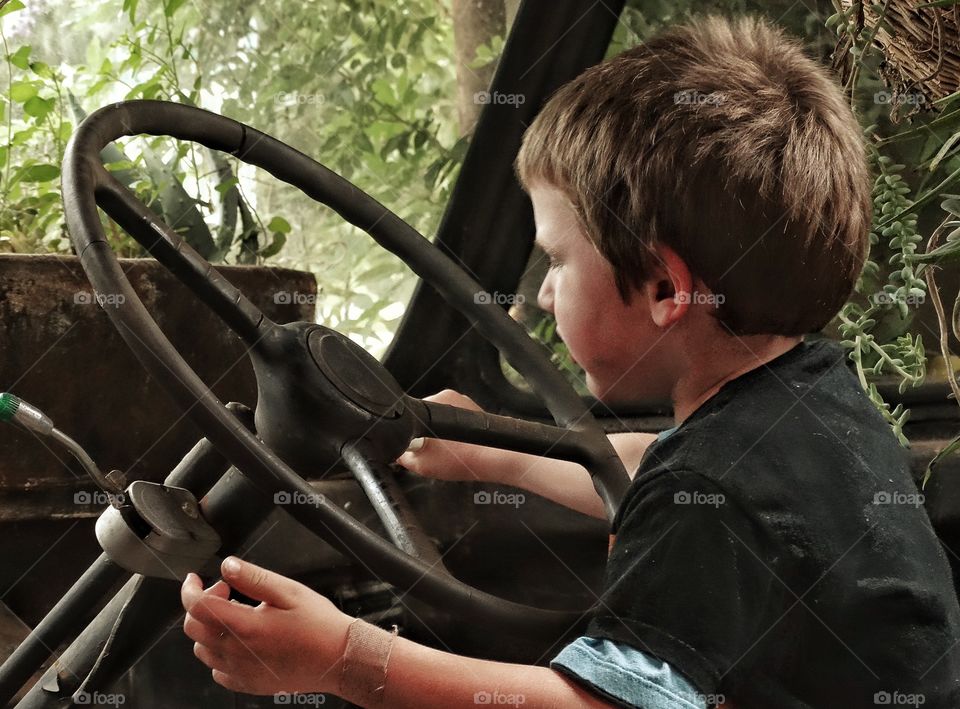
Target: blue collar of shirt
(667,432)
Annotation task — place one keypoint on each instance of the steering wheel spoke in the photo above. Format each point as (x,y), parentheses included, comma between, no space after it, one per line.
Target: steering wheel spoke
(181,259)
(382,489)
(482,428)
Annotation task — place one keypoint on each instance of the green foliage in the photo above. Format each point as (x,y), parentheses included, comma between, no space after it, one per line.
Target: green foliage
(878,330)
(34,131)
(367,88)
(891,289)
(40,118)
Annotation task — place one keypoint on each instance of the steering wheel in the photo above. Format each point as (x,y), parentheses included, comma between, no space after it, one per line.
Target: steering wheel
(321,397)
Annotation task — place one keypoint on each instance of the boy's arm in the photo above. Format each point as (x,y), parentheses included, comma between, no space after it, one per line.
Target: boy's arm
(561,481)
(294,641)
(419,677)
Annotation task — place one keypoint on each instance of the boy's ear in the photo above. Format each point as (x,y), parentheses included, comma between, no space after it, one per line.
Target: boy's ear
(669,287)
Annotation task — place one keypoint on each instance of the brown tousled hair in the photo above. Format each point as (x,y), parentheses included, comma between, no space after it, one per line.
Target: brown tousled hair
(725,141)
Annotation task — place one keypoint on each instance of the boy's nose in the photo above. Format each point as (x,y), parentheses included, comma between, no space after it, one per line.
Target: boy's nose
(545,295)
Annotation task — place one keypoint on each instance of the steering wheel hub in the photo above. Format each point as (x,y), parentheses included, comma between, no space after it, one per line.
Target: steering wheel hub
(355,373)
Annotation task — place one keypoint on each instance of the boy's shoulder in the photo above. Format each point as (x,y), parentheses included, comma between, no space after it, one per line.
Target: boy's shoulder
(786,485)
(800,420)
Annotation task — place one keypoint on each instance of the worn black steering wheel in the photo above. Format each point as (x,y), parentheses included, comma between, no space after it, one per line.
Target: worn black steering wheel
(321,397)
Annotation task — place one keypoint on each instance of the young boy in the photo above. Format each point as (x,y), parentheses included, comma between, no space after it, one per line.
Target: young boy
(705,203)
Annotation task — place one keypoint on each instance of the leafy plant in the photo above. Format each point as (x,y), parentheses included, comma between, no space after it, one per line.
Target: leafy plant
(891,289)
(899,275)
(46,109)
(367,88)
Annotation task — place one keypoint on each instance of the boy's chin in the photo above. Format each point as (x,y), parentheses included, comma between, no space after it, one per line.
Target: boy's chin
(602,391)
(610,394)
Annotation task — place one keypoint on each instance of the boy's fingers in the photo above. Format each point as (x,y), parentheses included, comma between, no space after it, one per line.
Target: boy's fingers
(412,456)
(199,632)
(230,681)
(193,587)
(261,584)
(189,589)
(452,397)
(416,444)
(219,613)
(220,589)
(208,656)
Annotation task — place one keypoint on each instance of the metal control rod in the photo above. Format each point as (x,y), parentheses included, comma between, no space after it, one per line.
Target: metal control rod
(16,410)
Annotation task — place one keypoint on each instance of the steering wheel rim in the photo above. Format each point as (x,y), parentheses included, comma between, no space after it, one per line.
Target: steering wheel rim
(86,184)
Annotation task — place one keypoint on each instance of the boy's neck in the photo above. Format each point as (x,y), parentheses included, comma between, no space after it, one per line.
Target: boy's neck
(738,356)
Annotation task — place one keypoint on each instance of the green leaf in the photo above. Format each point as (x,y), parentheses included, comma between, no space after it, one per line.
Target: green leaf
(279,225)
(178,208)
(130,7)
(945,254)
(21,57)
(10,7)
(41,69)
(21,91)
(944,149)
(38,107)
(22,136)
(226,185)
(947,450)
(279,239)
(39,173)
(171,6)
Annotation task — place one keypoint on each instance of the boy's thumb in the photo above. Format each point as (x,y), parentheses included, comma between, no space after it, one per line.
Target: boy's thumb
(259,583)
(411,456)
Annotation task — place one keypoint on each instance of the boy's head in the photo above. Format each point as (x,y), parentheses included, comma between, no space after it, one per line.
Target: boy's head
(715,160)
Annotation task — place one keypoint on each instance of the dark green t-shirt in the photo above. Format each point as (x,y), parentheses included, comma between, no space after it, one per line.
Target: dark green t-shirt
(775,550)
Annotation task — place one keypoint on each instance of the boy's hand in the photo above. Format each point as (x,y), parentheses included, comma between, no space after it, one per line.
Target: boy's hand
(292,642)
(450,460)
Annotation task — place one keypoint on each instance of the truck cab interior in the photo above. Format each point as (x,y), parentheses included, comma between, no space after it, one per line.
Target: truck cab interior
(316,423)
